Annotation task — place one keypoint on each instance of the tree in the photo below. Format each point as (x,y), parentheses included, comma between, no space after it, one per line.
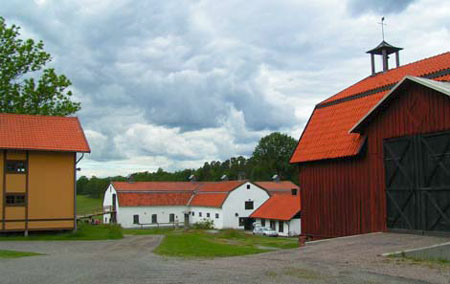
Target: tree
(271,156)
(25,85)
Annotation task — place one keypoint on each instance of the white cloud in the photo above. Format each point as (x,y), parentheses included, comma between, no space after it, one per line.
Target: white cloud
(173,84)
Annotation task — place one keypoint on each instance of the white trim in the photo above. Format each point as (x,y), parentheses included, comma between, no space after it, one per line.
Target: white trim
(441,87)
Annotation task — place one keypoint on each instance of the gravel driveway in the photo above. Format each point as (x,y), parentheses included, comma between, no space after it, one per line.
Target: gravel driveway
(344,260)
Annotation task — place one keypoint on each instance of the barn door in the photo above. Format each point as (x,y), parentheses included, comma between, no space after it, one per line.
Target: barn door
(418,182)
(435,181)
(401,186)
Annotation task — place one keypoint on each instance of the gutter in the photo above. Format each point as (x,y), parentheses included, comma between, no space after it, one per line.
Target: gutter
(75,227)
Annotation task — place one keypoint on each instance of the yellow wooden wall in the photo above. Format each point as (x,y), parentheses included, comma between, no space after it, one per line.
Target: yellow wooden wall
(50,191)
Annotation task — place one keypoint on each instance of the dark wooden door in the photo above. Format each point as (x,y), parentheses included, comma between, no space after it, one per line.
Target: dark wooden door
(418,182)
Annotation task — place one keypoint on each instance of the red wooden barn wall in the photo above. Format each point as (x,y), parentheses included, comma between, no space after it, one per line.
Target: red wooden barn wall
(347,196)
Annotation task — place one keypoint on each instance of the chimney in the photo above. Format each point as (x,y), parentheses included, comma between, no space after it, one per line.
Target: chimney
(276,178)
(130,178)
(384,49)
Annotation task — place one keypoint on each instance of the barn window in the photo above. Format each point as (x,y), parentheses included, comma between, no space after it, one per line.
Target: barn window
(15,199)
(135,219)
(263,222)
(242,221)
(200,214)
(154,219)
(172,218)
(248,205)
(272,224)
(217,215)
(207,215)
(193,213)
(294,191)
(16,167)
(280,226)
(248,186)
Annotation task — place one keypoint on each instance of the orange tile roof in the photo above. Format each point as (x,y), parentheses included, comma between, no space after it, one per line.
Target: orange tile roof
(326,135)
(209,199)
(280,187)
(154,186)
(153,199)
(279,207)
(209,194)
(220,186)
(38,132)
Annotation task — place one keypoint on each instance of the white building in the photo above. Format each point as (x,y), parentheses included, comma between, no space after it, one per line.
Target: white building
(281,213)
(228,203)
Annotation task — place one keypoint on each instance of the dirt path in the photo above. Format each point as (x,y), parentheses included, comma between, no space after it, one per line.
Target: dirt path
(346,260)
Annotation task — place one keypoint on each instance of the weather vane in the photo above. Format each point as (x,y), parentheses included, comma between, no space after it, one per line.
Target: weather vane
(382,27)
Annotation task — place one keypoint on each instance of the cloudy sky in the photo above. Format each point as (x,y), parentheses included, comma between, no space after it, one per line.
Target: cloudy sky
(173,84)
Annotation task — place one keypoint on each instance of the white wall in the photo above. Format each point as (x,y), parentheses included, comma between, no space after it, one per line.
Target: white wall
(290,228)
(194,218)
(107,203)
(125,217)
(235,204)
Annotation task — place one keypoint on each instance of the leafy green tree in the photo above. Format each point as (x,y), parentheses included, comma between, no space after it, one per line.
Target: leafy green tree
(26,86)
(271,156)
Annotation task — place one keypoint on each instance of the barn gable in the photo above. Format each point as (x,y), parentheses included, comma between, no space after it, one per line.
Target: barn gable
(326,135)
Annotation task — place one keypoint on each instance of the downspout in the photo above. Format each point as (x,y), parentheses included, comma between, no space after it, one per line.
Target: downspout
(75,190)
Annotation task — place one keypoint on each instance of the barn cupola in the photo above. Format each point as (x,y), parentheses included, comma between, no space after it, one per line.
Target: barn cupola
(384,49)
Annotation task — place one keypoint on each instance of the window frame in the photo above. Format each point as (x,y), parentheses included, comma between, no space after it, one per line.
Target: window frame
(171,218)
(217,215)
(136,219)
(154,218)
(199,214)
(208,215)
(16,167)
(15,196)
(263,222)
(280,226)
(248,203)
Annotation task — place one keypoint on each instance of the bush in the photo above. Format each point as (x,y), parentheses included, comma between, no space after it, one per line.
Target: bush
(205,224)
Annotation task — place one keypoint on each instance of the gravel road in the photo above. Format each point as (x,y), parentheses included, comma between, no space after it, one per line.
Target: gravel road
(130,260)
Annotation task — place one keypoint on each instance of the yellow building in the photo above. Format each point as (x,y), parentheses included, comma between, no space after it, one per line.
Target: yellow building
(38,172)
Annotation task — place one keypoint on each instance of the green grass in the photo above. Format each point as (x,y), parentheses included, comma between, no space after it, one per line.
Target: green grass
(88,205)
(420,261)
(16,254)
(84,233)
(203,244)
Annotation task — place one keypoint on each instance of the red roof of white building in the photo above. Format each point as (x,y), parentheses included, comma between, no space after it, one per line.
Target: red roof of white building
(207,194)
(38,132)
(279,207)
(278,187)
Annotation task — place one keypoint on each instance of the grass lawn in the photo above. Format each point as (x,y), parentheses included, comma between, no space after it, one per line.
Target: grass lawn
(205,244)
(85,232)
(15,254)
(87,205)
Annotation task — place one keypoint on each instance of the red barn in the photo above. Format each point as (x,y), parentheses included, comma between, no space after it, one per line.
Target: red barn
(376,156)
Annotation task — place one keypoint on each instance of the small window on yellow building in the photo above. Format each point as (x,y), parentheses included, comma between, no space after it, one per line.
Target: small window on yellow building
(15,199)
(16,167)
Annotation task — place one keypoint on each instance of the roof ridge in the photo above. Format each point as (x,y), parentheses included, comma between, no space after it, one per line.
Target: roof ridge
(329,99)
(38,115)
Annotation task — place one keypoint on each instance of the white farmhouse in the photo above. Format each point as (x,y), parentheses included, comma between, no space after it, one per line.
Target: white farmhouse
(281,213)
(145,203)
(227,203)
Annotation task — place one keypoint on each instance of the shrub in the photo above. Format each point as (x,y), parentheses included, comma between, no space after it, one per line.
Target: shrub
(205,224)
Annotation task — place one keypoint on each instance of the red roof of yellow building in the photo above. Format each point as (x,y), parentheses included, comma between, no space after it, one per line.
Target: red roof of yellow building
(38,132)
(326,135)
